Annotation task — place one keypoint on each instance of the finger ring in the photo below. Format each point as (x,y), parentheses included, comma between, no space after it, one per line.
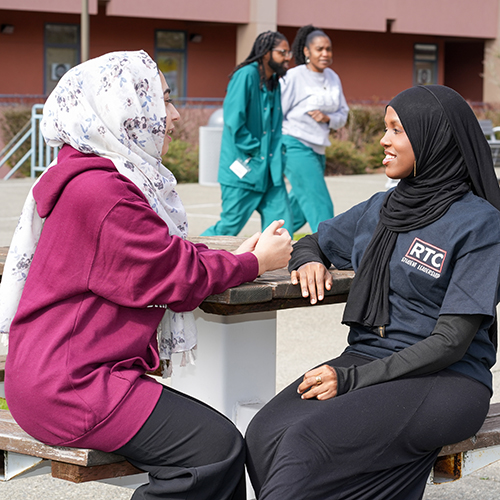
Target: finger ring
(319,380)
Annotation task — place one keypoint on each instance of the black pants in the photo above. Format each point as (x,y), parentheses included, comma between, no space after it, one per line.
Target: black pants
(375,443)
(191,452)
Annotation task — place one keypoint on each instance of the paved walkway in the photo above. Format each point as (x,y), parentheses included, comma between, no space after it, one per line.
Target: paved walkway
(293,358)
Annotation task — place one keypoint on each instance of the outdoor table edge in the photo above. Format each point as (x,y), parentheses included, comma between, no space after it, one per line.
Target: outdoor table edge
(273,287)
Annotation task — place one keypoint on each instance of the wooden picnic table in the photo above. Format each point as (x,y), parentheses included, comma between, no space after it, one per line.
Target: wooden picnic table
(236,355)
(272,291)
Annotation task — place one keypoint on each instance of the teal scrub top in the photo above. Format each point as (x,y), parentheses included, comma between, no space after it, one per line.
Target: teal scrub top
(252,130)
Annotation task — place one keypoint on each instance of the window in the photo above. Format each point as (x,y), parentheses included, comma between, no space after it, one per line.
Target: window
(171,59)
(62,52)
(425,57)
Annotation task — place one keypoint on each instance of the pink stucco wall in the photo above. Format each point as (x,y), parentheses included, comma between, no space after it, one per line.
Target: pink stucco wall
(22,53)
(66,6)
(374,67)
(226,11)
(373,64)
(469,18)
(466,18)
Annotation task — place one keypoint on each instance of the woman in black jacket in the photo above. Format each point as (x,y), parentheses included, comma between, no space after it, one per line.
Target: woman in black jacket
(422,316)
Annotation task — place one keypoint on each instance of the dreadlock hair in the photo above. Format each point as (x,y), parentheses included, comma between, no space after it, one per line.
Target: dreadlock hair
(263,44)
(304,37)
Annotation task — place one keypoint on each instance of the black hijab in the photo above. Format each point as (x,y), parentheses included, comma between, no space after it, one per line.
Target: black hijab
(452,157)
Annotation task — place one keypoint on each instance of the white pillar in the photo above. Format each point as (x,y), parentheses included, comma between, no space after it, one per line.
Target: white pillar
(235,370)
(84,31)
(491,80)
(263,17)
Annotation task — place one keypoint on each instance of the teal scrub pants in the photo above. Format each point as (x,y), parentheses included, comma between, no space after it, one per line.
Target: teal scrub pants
(309,197)
(238,205)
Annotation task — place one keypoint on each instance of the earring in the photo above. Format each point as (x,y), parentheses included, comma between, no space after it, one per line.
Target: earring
(308,60)
(415,168)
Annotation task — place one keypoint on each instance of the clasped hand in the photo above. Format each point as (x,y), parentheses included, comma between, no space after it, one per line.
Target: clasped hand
(272,247)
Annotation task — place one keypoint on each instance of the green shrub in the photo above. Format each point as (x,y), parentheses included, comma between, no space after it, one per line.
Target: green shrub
(3,404)
(187,127)
(12,121)
(364,124)
(342,157)
(355,148)
(374,154)
(489,112)
(182,161)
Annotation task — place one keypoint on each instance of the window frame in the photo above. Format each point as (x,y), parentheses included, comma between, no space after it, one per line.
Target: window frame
(160,50)
(417,58)
(47,45)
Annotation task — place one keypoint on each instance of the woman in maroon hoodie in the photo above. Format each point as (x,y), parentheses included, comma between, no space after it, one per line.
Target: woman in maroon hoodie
(110,285)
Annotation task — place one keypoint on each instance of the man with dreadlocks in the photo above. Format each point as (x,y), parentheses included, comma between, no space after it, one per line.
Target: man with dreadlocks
(251,159)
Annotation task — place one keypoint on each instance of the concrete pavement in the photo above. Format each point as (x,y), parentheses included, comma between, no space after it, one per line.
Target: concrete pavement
(326,337)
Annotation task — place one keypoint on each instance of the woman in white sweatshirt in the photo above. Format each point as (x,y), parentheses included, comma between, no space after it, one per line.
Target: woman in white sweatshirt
(313,103)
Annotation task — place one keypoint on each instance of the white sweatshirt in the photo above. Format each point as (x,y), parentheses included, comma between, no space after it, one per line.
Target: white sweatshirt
(302,91)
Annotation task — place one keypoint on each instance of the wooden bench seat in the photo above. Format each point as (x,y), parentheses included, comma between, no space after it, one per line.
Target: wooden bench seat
(489,435)
(72,464)
(458,460)
(80,465)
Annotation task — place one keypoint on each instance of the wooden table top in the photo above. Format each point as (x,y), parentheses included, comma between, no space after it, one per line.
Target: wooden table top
(270,292)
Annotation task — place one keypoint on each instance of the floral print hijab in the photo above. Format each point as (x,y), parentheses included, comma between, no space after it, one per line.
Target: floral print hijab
(112,106)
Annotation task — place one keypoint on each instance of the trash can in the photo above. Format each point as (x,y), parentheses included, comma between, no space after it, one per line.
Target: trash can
(209,152)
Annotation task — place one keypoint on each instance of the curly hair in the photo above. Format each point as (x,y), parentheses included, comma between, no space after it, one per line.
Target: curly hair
(304,37)
(263,44)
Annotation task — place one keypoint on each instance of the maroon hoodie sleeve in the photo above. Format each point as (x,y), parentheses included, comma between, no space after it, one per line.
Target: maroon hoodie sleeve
(138,263)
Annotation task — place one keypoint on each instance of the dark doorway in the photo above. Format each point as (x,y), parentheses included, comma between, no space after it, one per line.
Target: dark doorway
(463,68)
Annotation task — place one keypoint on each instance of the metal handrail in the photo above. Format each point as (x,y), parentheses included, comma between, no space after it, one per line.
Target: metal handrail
(19,143)
(14,139)
(40,154)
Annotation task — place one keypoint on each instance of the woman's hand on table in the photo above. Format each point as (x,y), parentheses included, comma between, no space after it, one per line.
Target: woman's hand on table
(273,248)
(313,277)
(320,383)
